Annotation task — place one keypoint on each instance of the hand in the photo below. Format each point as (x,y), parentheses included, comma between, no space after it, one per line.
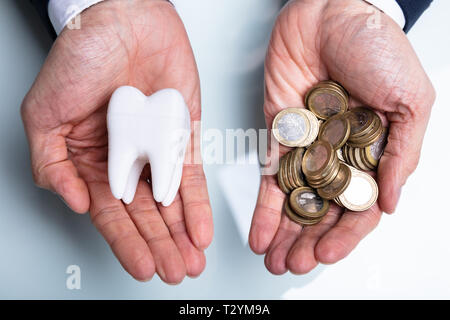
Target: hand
(141,43)
(315,40)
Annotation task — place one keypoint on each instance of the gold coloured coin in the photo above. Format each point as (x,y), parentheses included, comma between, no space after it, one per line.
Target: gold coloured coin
(297,219)
(351,156)
(318,157)
(369,138)
(290,170)
(374,152)
(291,127)
(358,160)
(286,173)
(361,118)
(280,177)
(328,176)
(344,153)
(306,203)
(362,154)
(336,131)
(362,192)
(297,166)
(338,185)
(325,102)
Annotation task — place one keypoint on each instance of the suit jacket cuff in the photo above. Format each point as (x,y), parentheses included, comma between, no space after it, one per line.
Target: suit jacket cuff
(413,9)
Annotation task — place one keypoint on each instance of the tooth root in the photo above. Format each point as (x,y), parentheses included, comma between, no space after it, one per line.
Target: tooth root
(119,168)
(133,180)
(174,185)
(162,171)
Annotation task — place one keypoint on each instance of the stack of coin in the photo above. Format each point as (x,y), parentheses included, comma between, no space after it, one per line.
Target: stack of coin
(366,127)
(320,164)
(349,142)
(304,206)
(327,99)
(338,185)
(290,174)
(295,127)
(361,193)
(367,158)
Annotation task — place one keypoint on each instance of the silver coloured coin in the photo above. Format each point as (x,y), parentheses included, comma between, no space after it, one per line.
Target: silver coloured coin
(362,192)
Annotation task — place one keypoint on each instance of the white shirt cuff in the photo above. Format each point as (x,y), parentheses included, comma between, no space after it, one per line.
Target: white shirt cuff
(61,12)
(392,9)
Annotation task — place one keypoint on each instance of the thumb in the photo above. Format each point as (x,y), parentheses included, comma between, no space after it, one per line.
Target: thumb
(51,167)
(400,157)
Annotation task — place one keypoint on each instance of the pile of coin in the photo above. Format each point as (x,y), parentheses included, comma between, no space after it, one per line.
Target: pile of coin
(338,152)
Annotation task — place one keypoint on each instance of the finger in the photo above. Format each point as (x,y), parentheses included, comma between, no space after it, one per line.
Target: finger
(53,171)
(145,215)
(337,243)
(287,233)
(400,159)
(267,216)
(112,220)
(173,216)
(197,209)
(301,258)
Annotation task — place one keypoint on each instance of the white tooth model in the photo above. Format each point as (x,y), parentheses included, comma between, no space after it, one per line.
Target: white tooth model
(143,130)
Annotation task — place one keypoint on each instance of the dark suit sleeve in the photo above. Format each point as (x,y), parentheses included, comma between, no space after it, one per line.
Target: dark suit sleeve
(413,9)
(42,9)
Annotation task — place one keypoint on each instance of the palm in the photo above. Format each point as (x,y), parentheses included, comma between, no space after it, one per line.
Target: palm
(143,45)
(317,40)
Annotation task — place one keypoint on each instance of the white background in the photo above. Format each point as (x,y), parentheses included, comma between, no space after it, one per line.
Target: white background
(407,256)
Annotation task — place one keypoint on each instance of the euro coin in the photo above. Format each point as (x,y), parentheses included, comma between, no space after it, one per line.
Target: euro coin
(326,100)
(280,177)
(336,131)
(328,176)
(297,167)
(291,127)
(362,192)
(290,170)
(333,84)
(286,179)
(306,203)
(297,219)
(361,119)
(368,139)
(374,152)
(359,161)
(318,157)
(338,185)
